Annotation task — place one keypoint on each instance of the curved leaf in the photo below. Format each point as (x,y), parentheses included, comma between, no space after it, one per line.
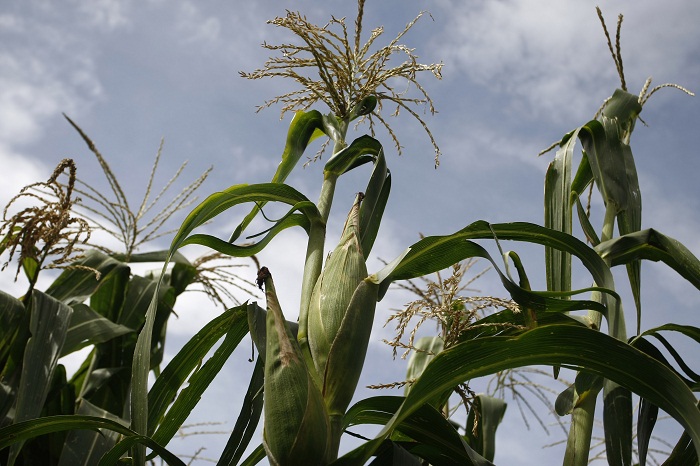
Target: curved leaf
(344,159)
(75,285)
(435,253)
(88,327)
(261,193)
(652,245)
(112,457)
(426,425)
(304,128)
(564,345)
(26,430)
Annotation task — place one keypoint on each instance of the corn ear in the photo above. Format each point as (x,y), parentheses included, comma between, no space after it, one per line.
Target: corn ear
(340,318)
(343,271)
(297,429)
(347,354)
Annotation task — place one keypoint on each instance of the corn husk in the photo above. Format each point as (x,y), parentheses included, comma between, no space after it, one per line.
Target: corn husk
(340,317)
(297,429)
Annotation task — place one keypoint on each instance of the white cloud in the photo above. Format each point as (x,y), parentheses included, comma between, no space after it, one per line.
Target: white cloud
(553,58)
(105,14)
(197,26)
(44,72)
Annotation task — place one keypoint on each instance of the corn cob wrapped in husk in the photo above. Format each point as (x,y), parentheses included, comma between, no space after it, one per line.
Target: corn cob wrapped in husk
(297,429)
(340,317)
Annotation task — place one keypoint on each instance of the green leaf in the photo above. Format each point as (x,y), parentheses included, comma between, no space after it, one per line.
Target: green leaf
(248,250)
(77,285)
(490,411)
(683,454)
(48,326)
(248,419)
(13,326)
(87,327)
(86,447)
(26,430)
(344,160)
(427,348)
(617,422)
(435,253)
(304,128)
(108,299)
(564,345)
(652,245)
(374,203)
(153,256)
(188,359)
(200,380)
(557,214)
(113,456)
(255,457)
(426,426)
(261,193)
(648,412)
(606,142)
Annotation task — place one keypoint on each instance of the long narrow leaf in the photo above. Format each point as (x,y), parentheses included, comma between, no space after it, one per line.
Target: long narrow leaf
(48,326)
(426,425)
(652,245)
(557,214)
(304,128)
(566,346)
(248,419)
(176,373)
(200,380)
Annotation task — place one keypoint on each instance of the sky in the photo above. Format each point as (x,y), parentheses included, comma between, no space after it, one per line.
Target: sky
(518,74)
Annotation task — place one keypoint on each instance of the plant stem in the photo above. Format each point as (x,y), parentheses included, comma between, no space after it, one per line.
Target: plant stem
(579,441)
(314,249)
(578,444)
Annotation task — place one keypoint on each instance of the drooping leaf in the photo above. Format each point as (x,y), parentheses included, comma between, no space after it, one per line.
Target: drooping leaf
(652,245)
(565,345)
(75,285)
(426,426)
(86,447)
(304,128)
(344,159)
(221,201)
(26,430)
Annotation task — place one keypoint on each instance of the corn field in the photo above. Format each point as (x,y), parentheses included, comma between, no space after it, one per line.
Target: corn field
(124,405)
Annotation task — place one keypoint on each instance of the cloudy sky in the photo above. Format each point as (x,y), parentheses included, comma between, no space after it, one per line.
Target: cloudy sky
(517,75)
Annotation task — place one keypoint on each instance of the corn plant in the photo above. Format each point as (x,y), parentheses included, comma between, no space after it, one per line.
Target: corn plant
(96,301)
(307,371)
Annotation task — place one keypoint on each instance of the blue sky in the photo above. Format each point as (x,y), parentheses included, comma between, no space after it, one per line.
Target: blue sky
(517,76)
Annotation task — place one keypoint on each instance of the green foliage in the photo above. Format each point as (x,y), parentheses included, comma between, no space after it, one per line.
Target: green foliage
(106,412)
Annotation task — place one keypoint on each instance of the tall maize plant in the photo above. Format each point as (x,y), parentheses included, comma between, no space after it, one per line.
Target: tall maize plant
(307,371)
